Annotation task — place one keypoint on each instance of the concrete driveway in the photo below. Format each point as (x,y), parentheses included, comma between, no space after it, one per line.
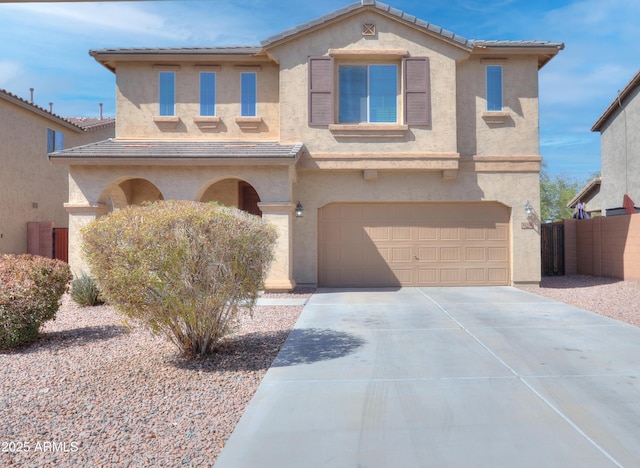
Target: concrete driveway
(462,377)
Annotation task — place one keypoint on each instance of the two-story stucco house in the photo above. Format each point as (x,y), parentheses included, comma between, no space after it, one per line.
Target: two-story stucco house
(31,188)
(387,151)
(620,146)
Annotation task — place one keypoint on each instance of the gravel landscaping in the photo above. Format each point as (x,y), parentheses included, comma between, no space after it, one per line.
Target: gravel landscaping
(92,392)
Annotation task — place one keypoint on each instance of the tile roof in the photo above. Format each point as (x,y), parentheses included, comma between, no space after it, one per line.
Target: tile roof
(373,4)
(617,102)
(176,150)
(482,43)
(233,50)
(30,106)
(91,123)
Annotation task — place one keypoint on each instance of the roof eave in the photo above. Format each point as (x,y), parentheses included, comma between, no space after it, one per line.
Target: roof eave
(586,192)
(182,161)
(616,103)
(39,111)
(545,51)
(357,8)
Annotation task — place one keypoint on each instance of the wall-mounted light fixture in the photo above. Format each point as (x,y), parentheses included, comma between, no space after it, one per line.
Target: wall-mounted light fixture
(528,209)
(299,210)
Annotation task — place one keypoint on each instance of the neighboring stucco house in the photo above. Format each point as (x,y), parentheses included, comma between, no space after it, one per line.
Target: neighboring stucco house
(620,151)
(589,197)
(412,151)
(31,188)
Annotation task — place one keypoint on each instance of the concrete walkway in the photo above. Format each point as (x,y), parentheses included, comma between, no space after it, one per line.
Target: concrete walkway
(445,377)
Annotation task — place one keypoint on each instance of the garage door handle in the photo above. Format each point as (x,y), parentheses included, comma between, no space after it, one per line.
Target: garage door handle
(416,257)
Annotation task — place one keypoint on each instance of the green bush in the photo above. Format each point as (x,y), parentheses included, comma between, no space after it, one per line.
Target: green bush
(30,291)
(85,291)
(185,269)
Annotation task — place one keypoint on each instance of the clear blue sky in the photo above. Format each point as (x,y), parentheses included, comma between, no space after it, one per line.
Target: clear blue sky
(45,46)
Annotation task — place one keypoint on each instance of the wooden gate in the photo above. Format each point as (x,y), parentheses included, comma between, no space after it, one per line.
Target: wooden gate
(552,240)
(61,244)
(45,240)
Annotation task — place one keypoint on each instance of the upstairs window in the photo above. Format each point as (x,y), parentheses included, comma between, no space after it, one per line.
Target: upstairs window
(207,94)
(368,93)
(167,98)
(248,94)
(494,88)
(55,141)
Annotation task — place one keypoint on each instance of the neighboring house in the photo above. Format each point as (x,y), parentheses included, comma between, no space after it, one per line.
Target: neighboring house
(620,147)
(411,150)
(31,188)
(589,197)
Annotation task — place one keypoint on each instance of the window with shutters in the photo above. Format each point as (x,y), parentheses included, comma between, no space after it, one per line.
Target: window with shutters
(368,93)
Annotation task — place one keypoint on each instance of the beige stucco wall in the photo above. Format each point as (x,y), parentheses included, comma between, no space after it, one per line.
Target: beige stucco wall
(91,187)
(440,136)
(516,132)
(27,177)
(620,145)
(137,102)
(316,189)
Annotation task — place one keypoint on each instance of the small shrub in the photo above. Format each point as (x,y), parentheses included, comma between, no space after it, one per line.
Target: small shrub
(30,291)
(184,269)
(85,291)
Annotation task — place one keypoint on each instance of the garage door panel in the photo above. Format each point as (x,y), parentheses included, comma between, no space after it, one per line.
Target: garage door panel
(497,254)
(475,275)
(381,244)
(498,276)
(450,276)
(427,277)
(401,254)
(476,254)
(427,233)
(378,233)
(449,254)
(402,276)
(499,233)
(428,254)
(450,233)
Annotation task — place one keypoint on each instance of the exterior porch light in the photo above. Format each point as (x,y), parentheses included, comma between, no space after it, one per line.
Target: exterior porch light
(299,210)
(528,209)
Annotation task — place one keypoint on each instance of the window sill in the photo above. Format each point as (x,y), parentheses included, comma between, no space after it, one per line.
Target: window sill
(496,117)
(249,123)
(168,121)
(368,130)
(207,123)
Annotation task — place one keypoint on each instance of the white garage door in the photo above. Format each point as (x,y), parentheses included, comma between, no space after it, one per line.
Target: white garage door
(413,244)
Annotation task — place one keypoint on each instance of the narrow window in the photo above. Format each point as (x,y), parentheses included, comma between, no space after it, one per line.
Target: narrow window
(248,94)
(494,88)
(167,80)
(207,94)
(368,93)
(55,141)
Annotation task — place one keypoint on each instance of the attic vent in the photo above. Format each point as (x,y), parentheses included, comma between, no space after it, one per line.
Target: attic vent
(368,29)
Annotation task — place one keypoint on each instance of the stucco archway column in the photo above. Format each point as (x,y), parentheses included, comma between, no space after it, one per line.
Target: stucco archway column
(280,214)
(80,214)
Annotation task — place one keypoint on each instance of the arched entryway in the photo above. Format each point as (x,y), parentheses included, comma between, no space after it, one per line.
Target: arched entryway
(234,192)
(133,191)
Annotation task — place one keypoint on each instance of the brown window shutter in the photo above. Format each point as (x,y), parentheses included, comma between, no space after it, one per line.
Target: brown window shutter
(321,90)
(417,92)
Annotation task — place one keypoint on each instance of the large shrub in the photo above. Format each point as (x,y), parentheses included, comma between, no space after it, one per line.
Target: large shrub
(30,291)
(184,268)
